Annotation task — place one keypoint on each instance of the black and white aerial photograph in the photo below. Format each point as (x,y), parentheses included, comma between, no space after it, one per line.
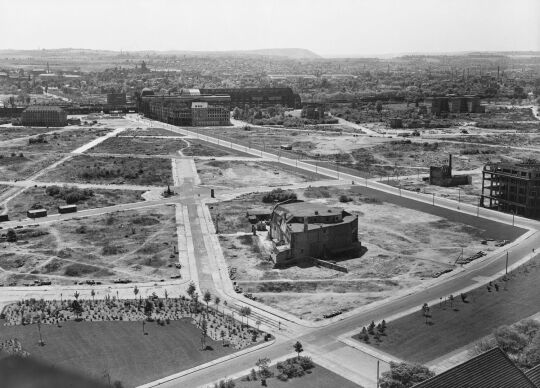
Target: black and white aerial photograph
(270,193)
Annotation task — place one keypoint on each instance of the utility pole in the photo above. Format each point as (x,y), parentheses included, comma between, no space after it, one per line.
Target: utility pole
(506,271)
(378,373)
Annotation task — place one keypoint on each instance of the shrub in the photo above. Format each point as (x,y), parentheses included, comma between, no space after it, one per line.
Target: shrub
(344,198)
(278,195)
(306,363)
(11,236)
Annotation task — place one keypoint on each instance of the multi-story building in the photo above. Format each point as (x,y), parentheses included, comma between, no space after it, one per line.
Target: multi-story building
(190,108)
(116,99)
(44,116)
(456,104)
(310,230)
(512,187)
(258,97)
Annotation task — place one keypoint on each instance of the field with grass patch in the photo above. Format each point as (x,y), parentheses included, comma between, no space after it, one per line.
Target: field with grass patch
(18,166)
(132,244)
(124,352)
(150,132)
(112,170)
(138,145)
(18,206)
(411,339)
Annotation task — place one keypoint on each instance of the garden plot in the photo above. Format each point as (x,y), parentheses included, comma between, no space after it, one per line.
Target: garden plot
(237,174)
(402,247)
(142,146)
(112,170)
(53,196)
(137,245)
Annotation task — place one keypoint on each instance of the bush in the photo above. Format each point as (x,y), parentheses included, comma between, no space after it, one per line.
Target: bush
(11,236)
(344,198)
(278,195)
(306,363)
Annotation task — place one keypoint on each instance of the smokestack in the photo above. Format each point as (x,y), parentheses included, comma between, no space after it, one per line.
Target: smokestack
(305,224)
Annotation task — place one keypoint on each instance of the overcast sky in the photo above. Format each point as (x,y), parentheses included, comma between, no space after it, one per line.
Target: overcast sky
(329,28)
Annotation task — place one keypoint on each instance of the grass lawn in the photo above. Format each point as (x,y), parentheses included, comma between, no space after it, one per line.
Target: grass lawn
(411,339)
(101,198)
(118,348)
(112,170)
(318,378)
(137,145)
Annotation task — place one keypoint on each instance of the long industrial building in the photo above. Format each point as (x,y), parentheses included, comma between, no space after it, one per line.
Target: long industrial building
(512,187)
(258,97)
(44,116)
(189,108)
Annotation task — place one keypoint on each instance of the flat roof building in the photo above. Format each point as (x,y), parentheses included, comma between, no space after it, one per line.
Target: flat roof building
(44,116)
(258,97)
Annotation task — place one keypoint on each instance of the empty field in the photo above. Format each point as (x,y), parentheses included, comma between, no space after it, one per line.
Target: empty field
(198,147)
(150,132)
(138,145)
(18,166)
(236,174)
(112,170)
(34,196)
(124,352)
(138,245)
(60,141)
(402,247)
(9,133)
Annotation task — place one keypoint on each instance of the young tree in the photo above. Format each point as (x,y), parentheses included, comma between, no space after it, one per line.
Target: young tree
(298,348)
(204,333)
(93,293)
(76,295)
(135,291)
(207,297)
(222,335)
(264,369)
(148,308)
(77,308)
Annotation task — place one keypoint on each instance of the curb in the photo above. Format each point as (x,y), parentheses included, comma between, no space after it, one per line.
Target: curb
(186,372)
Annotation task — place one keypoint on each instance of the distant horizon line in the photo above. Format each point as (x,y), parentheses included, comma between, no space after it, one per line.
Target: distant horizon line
(255,50)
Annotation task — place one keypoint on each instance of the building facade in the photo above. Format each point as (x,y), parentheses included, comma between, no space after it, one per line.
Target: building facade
(258,97)
(44,116)
(116,99)
(186,109)
(512,188)
(456,104)
(442,176)
(310,230)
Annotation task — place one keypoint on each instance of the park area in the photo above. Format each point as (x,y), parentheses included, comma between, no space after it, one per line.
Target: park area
(139,146)
(135,245)
(238,174)
(112,170)
(403,245)
(53,196)
(415,338)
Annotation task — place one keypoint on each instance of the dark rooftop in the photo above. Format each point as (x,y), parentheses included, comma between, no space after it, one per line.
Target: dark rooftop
(306,209)
(534,375)
(38,108)
(492,369)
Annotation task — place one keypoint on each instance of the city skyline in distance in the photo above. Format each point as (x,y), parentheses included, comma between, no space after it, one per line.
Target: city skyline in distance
(344,28)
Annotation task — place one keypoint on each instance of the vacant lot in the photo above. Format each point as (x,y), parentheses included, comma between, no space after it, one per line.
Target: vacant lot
(112,170)
(402,247)
(138,245)
(150,132)
(232,214)
(410,338)
(135,145)
(18,206)
(18,166)
(236,174)
(61,141)
(124,352)
(9,133)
